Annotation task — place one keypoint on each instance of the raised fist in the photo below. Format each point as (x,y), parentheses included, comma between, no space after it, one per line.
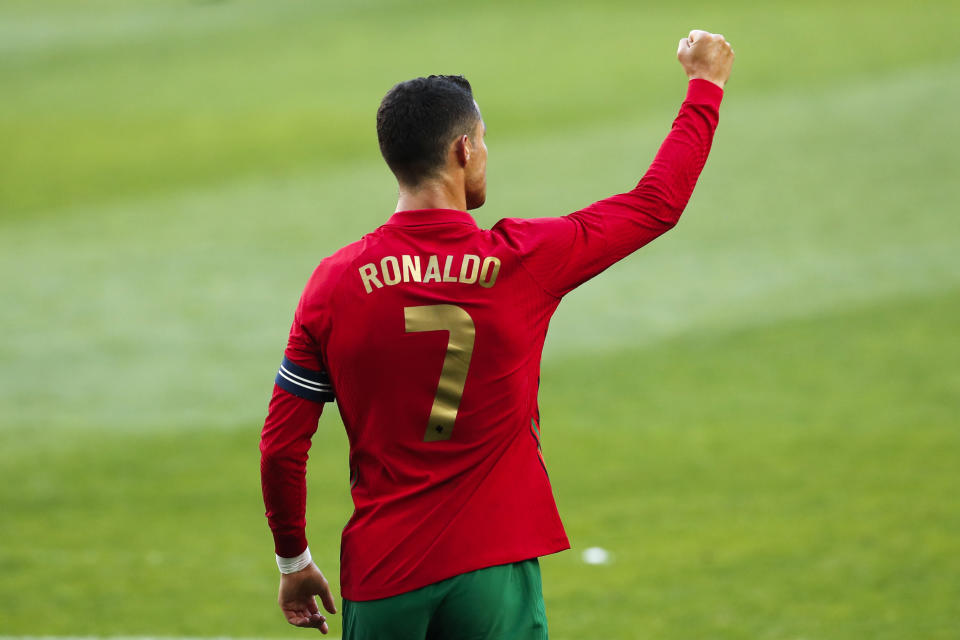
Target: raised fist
(706,55)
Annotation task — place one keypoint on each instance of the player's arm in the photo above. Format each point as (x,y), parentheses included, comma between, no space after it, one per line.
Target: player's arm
(300,389)
(562,253)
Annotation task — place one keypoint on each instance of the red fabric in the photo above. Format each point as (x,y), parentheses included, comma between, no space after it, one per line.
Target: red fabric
(426,511)
(284,443)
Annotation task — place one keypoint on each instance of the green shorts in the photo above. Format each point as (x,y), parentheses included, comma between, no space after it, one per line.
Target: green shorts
(497,603)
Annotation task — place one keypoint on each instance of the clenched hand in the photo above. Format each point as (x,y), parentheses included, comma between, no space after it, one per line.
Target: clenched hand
(707,56)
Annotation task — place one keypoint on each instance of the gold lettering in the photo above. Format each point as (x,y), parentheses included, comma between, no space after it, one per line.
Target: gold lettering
(461,335)
(433,270)
(368,273)
(387,278)
(446,270)
(411,268)
(393,270)
(470,269)
(489,272)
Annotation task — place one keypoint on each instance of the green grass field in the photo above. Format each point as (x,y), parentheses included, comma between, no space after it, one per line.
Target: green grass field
(758,415)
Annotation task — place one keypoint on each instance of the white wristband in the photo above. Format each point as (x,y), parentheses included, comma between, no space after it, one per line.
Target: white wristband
(292,565)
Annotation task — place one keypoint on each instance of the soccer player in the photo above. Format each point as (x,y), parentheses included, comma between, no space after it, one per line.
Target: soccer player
(428,333)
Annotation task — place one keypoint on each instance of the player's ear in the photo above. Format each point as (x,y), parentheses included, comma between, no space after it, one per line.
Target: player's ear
(463,150)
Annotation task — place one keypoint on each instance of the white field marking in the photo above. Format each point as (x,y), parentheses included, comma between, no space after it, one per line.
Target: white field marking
(142,638)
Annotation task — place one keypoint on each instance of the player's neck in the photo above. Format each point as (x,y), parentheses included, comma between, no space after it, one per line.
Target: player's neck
(443,193)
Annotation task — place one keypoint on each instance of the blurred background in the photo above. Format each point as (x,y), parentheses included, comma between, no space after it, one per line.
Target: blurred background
(757,416)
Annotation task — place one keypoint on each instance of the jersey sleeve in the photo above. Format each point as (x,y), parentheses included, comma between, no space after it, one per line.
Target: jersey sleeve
(561,253)
(284,445)
(302,372)
(301,387)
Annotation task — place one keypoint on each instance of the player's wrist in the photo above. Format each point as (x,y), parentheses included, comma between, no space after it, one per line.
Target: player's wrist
(296,563)
(702,91)
(707,78)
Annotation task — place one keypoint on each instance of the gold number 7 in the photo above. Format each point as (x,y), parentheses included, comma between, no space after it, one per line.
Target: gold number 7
(456,362)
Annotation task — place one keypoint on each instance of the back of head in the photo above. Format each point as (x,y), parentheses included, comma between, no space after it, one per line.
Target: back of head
(418,119)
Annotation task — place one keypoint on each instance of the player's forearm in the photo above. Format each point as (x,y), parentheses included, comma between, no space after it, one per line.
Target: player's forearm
(666,187)
(284,444)
(631,220)
(562,253)
(284,496)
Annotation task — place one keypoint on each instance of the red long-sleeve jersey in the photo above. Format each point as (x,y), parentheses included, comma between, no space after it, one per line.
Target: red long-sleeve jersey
(428,332)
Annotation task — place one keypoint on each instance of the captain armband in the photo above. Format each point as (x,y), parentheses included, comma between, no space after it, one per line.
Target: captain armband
(304,383)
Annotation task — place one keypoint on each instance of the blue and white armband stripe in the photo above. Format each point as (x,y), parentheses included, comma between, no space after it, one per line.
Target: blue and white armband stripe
(304,383)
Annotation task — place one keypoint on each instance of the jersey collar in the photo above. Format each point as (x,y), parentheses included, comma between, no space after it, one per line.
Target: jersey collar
(420,217)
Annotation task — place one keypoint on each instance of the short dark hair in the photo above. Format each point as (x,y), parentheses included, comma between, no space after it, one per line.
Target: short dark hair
(418,119)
